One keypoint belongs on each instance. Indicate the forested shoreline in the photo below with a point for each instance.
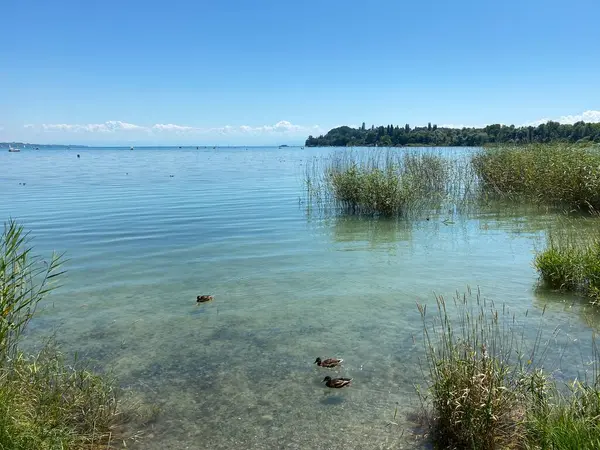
(394, 135)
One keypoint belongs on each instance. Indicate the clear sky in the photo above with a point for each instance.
(266, 72)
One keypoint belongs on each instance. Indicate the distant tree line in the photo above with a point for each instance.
(394, 135)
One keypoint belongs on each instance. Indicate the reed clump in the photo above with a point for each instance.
(487, 387)
(571, 262)
(385, 184)
(476, 395)
(45, 403)
(550, 174)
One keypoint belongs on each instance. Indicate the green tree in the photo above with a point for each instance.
(434, 135)
(385, 141)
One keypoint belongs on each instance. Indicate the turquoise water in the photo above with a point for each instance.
(148, 230)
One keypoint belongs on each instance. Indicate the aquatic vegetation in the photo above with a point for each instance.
(549, 174)
(45, 402)
(488, 390)
(571, 262)
(392, 183)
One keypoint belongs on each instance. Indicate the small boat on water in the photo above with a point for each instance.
(130, 148)
(13, 150)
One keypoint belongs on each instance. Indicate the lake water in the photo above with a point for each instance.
(148, 230)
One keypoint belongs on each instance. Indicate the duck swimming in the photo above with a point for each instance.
(329, 362)
(204, 298)
(337, 382)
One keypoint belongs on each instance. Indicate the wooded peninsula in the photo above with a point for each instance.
(432, 135)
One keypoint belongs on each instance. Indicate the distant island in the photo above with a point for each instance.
(38, 146)
(432, 135)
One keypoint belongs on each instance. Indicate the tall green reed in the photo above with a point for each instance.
(25, 279)
(480, 370)
(388, 183)
(488, 387)
(564, 175)
(46, 402)
(571, 260)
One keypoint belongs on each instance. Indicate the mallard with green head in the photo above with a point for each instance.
(329, 362)
(337, 382)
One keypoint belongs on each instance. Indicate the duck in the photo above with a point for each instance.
(329, 362)
(204, 298)
(337, 382)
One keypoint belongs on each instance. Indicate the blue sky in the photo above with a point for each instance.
(266, 72)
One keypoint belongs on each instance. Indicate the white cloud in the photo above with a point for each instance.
(586, 116)
(58, 127)
(118, 125)
(460, 126)
(590, 116)
(535, 123)
(110, 126)
(284, 126)
(281, 127)
(172, 127)
(226, 129)
(113, 126)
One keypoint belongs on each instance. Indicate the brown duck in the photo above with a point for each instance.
(204, 298)
(329, 362)
(337, 382)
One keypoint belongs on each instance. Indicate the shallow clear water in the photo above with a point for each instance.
(289, 283)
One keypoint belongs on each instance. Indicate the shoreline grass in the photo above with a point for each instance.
(488, 389)
(45, 402)
(563, 175)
